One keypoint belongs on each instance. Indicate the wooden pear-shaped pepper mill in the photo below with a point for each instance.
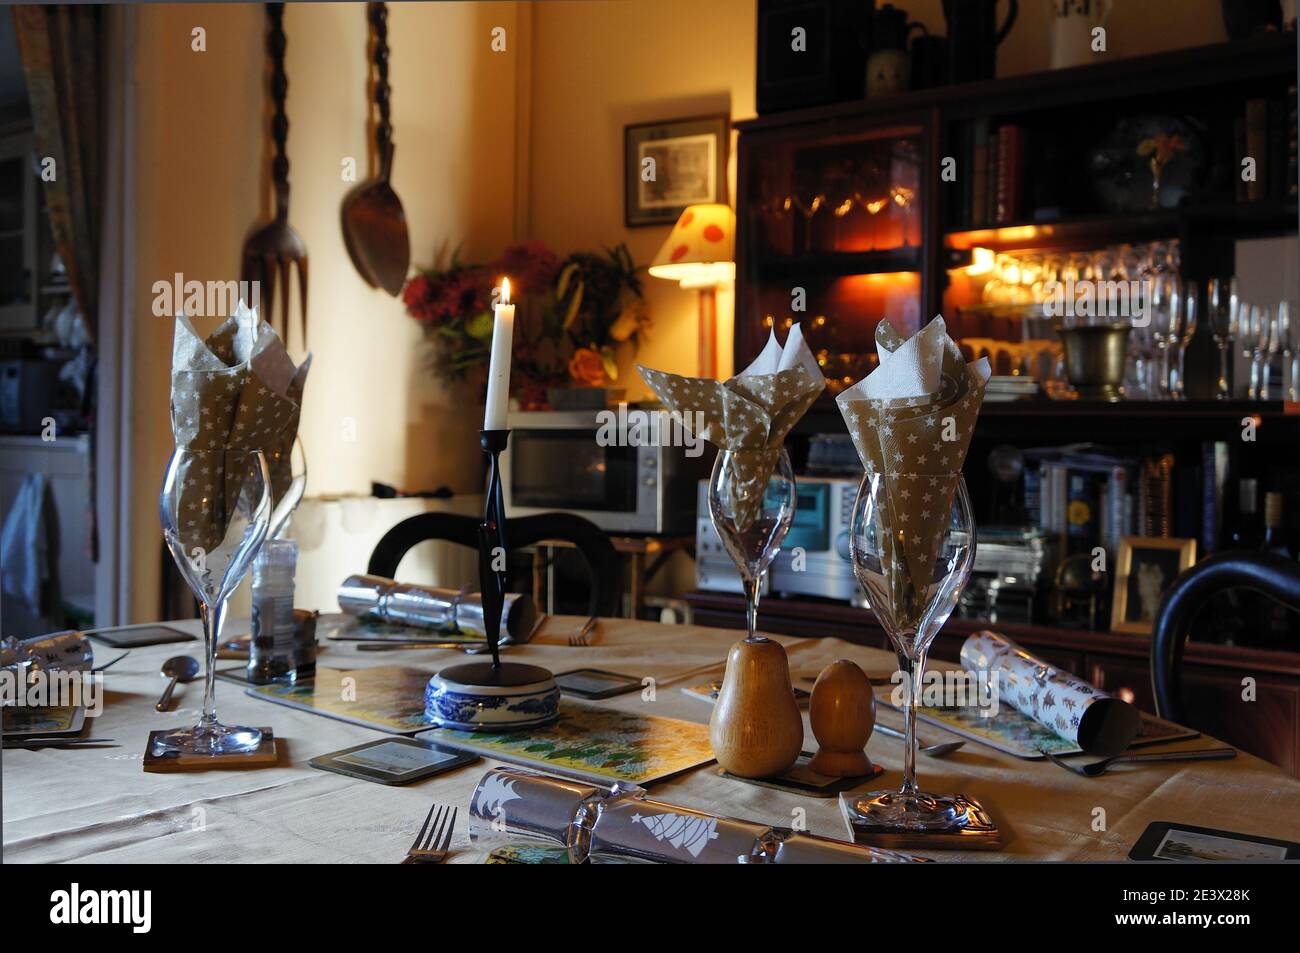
(842, 713)
(756, 729)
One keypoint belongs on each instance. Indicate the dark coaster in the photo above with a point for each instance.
(801, 779)
(267, 755)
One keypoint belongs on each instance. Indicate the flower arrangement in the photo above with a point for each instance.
(1158, 150)
(572, 314)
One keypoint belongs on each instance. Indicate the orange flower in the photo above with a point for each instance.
(1161, 147)
(588, 367)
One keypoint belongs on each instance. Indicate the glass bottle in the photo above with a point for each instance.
(271, 649)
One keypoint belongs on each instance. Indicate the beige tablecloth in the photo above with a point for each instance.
(98, 805)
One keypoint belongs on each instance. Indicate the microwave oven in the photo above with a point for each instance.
(607, 466)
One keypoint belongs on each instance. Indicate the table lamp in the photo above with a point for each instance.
(700, 254)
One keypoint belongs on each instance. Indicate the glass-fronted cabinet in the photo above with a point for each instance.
(832, 230)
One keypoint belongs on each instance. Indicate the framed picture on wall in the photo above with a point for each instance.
(672, 164)
(1145, 569)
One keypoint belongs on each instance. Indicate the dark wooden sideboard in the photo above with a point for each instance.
(1213, 675)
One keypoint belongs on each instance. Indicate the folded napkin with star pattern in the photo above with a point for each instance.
(236, 390)
(911, 420)
(750, 414)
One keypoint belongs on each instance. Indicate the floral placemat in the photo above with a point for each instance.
(595, 744)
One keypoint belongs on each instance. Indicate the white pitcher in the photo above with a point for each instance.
(1070, 23)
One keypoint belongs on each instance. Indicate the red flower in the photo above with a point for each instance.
(417, 297)
(530, 265)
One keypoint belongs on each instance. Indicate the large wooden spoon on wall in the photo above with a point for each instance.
(374, 225)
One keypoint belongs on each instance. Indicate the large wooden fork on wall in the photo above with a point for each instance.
(271, 252)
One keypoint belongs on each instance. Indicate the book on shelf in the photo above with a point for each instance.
(1010, 178)
(1080, 494)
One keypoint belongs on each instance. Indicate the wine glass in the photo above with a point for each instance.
(215, 509)
(292, 495)
(1257, 341)
(1164, 311)
(1224, 304)
(1277, 329)
(837, 189)
(752, 510)
(1186, 331)
(871, 191)
(806, 197)
(912, 589)
(1288, 326)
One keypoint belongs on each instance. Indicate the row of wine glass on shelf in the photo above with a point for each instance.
(844, 204)
(1142, 287)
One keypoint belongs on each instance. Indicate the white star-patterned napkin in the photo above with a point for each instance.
(238, 390)
(911, 420)
(751, 413)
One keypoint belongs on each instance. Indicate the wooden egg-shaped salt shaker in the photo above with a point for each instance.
(756, 729)
(842, 713)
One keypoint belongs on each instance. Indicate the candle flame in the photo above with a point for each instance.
(505, 290)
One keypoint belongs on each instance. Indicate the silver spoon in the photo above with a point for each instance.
(932, 751)
(1095, 768)
(179, 668)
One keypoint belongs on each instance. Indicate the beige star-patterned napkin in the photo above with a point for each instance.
(911, 420)
(750, 414)
(238, 390)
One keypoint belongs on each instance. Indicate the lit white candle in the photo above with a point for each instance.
(503, 334)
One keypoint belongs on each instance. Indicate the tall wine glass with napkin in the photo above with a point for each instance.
(235, 402)
(912, 533)
(756, 728)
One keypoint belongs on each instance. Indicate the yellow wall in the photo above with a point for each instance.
(598, 67)
(201, 162)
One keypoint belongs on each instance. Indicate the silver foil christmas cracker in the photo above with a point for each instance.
(1077, 711)
(515, 807)
(431, 607)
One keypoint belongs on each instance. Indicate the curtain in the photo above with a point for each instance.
(60, 50)
(60, 46)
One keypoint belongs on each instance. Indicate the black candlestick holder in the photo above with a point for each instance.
(492, 548)
(495, 696)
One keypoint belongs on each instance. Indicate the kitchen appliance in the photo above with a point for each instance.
(630, 470)
(715, 570)
(813, 561)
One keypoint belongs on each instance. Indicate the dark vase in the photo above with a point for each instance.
(974, 35)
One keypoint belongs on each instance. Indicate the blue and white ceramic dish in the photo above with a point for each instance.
(462, 697)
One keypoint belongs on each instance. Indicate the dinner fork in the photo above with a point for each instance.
(583, 638)
(1095, 768)
(430, 845)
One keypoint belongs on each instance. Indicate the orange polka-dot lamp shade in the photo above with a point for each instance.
(700, 250)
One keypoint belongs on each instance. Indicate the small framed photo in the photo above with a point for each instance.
(670, 165)
(1145, 569)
